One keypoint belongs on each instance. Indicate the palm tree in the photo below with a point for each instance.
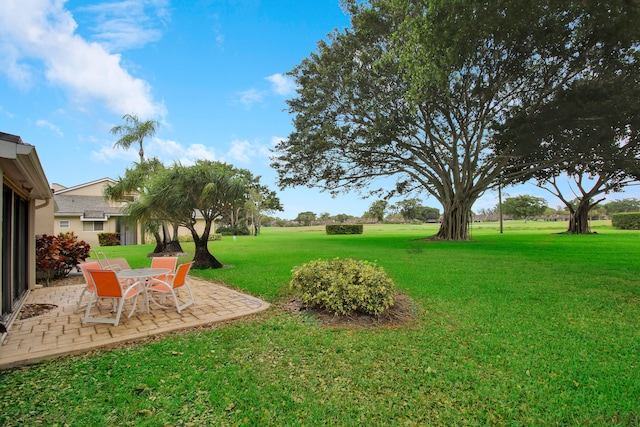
(182, 194)
(134, 131)
(135, 181)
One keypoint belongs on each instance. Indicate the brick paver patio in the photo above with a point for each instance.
(60, 332)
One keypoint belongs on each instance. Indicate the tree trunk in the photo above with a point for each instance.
(203, 258)
(455, 221)
(159, 243)
(579, 218)
(173, 246)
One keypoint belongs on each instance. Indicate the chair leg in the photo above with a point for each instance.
(120, 305)
(186, 304)
(89, 304)
(163, 297)
(175, 298)
(135, 302)
(80, 300)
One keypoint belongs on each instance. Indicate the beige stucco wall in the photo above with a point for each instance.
(44, 217)
(182, 231)
(75, 225)
(90, 189)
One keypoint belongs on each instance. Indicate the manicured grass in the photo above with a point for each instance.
(529, 327)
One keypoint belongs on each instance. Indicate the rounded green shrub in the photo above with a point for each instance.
(343, 286)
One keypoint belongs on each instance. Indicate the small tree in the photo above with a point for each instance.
(181, 194)
(523, 207)
(342, 217)
(134, 182)
(377, 210)
(623, 205)
(306, 218)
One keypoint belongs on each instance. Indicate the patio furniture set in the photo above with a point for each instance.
(117, 281)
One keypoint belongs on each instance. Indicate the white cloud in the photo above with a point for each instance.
(282, 84)
(250, 97)
(9, 114)
(48, 125)
(241, 151)
(166, 150)
(199, 152)
(126, 24)
(38, 37)
(220, 41)
(108, 153)
(169, 151)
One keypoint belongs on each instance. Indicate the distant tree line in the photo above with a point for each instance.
(525, 206)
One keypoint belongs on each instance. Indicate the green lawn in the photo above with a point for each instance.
(528, 327)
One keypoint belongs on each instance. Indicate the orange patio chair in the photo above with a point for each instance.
(173, 286)
(115, 264)
(169, 262)
(85, 267)
(107, 285)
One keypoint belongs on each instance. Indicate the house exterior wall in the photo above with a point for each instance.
(23, 183)
(71, 215)
(73, 204)
(183, 231)
(77, 227)
(44, 218)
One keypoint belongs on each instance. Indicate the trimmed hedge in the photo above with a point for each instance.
(239, 230)
(109, 239)
(344, 286)
(189, 238)
(344, 229)
(626, 220)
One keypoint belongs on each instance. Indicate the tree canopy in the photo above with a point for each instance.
(417, 90)
(306, 218)
(377, 210)
(183, 194)
(623, 205)
(525, 206)
(412, 209)
(129, 187)
(134, 131)
(589, 131)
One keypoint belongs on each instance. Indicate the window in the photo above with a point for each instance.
(92, 226)
(64, 223)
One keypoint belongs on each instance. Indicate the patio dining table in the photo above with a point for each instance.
(142, 275)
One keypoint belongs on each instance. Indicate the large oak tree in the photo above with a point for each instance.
(414, 90)
(590, 131)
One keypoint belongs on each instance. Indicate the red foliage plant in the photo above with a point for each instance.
(57, 255)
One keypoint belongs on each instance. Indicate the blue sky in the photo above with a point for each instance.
(211, 71)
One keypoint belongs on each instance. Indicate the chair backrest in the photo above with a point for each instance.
(106, 283)
(164, 262)
(89, 266)
(102, 259)
(118, 264)
(181, 274)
